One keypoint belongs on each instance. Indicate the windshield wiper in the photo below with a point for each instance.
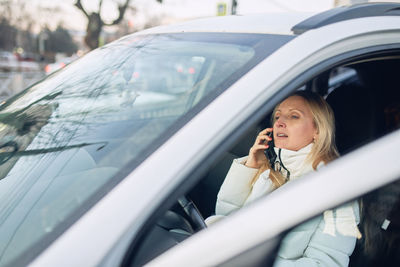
(5, 156)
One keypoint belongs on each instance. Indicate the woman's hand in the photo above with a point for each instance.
(256, 154)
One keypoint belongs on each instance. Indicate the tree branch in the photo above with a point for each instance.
(78, 4)
(122, 9)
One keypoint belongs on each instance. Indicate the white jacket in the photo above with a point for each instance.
(327, 240)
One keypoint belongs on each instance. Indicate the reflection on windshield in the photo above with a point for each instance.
(68, 136)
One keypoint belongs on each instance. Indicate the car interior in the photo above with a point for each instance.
(365, 97)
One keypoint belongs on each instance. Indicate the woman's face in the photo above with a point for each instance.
(294, 127)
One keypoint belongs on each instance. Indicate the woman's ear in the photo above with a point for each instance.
(315, 136)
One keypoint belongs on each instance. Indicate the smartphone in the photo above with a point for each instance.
(270, 152)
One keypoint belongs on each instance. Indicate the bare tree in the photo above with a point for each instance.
(96, 23)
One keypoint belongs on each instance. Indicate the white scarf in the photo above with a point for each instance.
(294, 161)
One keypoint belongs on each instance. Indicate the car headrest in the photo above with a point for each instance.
(356, 118)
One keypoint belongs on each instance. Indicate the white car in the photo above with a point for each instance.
(8, 62)
(115, 159)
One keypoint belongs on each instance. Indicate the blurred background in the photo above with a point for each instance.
(38, 37)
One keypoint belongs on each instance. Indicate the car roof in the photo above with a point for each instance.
(273, 23)
(290, 23)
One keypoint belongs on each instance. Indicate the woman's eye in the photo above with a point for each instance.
(295, 116)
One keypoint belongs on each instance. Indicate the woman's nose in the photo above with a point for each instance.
(280, 123)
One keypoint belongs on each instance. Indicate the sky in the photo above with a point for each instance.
(176, 9)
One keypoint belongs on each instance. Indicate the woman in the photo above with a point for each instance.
(303, 133)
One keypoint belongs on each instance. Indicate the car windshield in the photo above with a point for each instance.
(69, 139)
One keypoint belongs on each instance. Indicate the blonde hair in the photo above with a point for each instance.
(324, 148)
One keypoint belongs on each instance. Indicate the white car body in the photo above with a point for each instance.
(103, 234)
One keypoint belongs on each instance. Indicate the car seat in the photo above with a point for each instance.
(356, 118)
(380, 228)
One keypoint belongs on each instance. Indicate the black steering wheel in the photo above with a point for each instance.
(192, 212)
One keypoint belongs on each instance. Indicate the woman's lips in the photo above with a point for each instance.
(281, 135)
